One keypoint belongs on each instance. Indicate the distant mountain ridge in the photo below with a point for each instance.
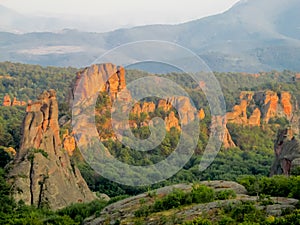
(252, 36)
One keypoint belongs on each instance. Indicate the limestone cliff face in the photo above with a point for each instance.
(41, 173)
(287, 153)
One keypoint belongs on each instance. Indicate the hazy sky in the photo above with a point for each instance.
(125, 12)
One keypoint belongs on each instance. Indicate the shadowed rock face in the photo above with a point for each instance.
(287, 153)
(41, 173)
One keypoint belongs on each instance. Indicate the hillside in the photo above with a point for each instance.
(252, 36)
(248, 161)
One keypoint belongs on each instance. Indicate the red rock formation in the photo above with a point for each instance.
(69, 143)
(172, 121)
(103, 77)
(148, 107)
(136, 110)
(218, 121)
(254, 119)
(270, 105)
(41, 173)
(285, 100)
(6, 100)
(238, 114)
(165, 105)
(186, 111)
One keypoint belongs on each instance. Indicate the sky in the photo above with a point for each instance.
(121, 13)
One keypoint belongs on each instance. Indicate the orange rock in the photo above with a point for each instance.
(254, 119)
(270, 105)
(69, 143)
(136, 109)
(148, 107)
(201, 114)
(219, 121)
(6, 100)
(238, 114)
(165, 105)
(185, 109)
(103, 77)
(172, 121)
(285, 100)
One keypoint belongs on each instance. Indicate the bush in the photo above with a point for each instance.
(226, 194)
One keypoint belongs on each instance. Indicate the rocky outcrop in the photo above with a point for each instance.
(285, 100)
(185, 108)
(164, 105)
(219, 121)
(69, 143)
(172, 121)
(123, 211)
(8, 102)
(269, 108)
(254, 119)
(148, 107)
(287, 153)
(41, 173)
(267, 105)
(100, 78)
(238, 114)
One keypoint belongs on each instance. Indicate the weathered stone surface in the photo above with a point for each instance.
(287, 153)
(269, 109)
(148, 107)
(123, 211)
(254, 119)
(136, 110)
(186, 111)
(103, 77)
(228, 142)
(219, 121)
(164, 104)
(238, 114)
(285, 100)
(41, 173)
(69, 143)
(172, 121)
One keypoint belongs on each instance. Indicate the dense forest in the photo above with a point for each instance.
(247, 163)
